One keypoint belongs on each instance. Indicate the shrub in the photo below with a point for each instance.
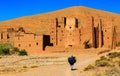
(24, 66)
(4, 51)
(89, 67)
(104, 58)
(5, 48)
(112, 72)
(14, 50)
(118, 44)
(1, 52)
(114, 54)
(22, 53)
(34, 66)
(86, 44)
(102, 63)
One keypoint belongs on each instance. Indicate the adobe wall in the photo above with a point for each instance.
(117, 35)
(29, 42)
(70, 32)
(66, 32)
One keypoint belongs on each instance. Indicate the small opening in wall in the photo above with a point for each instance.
(59, 26)
(29, 45)
(107, 37)
(19, 45)
(52, 32)
(8, 36)
(52, 38)
(105, 30)
(37, 43)
(70, 45)
(70, 27)
(1, 35)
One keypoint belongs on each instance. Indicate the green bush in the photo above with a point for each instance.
(4, 51)
(89, 67)
(14, 50)
(5, 48)
(118, 44)
(22, 53)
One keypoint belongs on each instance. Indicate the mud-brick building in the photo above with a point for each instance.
(32, 43)
(94, 33)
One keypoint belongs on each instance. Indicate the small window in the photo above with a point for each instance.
(19, 45)
(1, 35)
(59, 26)
(107, 37)
(70, 45)
(52, 32)
(105, 30)
(70, 27)
(37, 43)
(60, 40)
(8, 36)
(29, 45)
(52, 38)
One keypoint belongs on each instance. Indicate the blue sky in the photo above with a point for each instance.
(10, 9)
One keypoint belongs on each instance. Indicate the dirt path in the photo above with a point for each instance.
(59, 70)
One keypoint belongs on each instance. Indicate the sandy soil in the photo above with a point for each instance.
(59, 68)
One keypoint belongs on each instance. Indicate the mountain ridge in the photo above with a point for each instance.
(34, 23)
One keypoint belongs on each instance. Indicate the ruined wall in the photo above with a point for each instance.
(70, 32)
(107, 33)
(30, 42)
(96, 32)
(53, 32)
(117, 35)
(67, 32)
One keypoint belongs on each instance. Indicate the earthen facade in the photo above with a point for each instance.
(65, 32)
(94, 33)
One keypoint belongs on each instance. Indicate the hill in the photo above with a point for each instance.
(39, 23)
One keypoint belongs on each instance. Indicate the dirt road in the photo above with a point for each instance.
(58, 70)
